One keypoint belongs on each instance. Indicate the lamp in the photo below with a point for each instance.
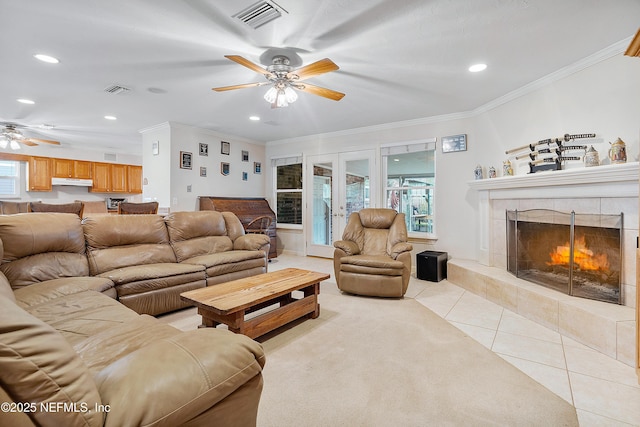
(280, 95)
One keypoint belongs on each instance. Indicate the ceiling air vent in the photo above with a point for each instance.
(260, 13)
(116, 89)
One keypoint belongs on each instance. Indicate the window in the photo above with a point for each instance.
(410, 183)
(288, 177)
(9, 178)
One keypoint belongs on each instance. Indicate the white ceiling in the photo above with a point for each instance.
(399, 60)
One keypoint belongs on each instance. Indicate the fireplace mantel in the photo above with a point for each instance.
(620, 180)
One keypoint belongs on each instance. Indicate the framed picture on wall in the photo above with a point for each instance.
(224, 168)
(155, 148)
(186, 160)
(204, 149)
(454, 143)
(203, 171)
(245, 176)
(225, 148)
(245, 156)
(257, 167)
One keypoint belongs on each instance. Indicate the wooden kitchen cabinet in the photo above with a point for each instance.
(109, 178)
(39, 174)
(134, 179)
(101, 175)
(67, 168)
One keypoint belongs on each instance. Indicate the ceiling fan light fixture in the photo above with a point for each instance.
(14, 145)
(271, 95)
(3, 143)
(290, 95)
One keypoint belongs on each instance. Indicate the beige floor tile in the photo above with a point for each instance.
(476, 311)
(516, 324)
(440, 297)
(609, 399)
(595, 364)
(555, 379)
(531, 349)
(589, 419)
(482, 335)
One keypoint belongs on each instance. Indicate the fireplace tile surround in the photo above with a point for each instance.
(609, 189)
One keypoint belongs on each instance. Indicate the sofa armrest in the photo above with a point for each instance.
(252, 242)
(399, 248)
(175, 379)
(349, 247)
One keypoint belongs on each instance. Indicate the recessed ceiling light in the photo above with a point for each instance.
(25, 101)
(46, 58)
(254, 118)
(477, 67)
(396, 160)
(111, 117)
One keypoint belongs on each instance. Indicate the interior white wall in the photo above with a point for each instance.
(179, 188)
(601, 99)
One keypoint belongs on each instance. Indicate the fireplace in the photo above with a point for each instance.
(578, 254)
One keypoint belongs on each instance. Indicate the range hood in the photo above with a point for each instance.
(72, 181)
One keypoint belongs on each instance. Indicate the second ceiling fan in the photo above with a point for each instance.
(284, 79)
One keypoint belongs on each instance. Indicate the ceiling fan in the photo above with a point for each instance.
(283, 79)
(12, 137)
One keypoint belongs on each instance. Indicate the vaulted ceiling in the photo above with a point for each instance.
(399, 60)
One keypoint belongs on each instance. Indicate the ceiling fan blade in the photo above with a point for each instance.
(319, 67)
(27, 142)
(35, 140)
(250, 65)
(320, 91)
(242, 86)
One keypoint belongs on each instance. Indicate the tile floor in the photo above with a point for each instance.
(604, 391)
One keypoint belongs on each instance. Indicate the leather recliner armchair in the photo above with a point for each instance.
(373, 258)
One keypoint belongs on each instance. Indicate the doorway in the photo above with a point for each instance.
(341, 183)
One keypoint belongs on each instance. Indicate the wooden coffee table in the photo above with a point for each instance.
(229, 303)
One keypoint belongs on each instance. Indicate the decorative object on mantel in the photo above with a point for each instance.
(492, 172)
(618, 152)
(555, 152)
(507, 169)
(591, 157)
(478, 172)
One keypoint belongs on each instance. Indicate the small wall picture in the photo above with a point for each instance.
(225, 148)
(203, 171)
(454, 143)
(257, 167)
(245, 176)
(186, 160)
(155, 148)
(224, 168)
(245, 156)
(204, 149)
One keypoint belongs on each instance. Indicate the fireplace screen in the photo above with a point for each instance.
(578, 254)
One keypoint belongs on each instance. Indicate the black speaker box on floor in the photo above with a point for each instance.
(431, 266)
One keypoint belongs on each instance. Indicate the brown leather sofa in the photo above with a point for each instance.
(71, 355)
(76, 356)
(149, 260)
(373, 258)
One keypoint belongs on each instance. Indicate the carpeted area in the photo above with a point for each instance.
(392, 362)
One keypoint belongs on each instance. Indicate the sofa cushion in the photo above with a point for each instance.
(42, 246)
(5, 288)
(40, 293)
(38, 366)
(164, 274)
(197, 233)
(372, 264)
(117, 241)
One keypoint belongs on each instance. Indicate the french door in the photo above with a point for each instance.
(338, 184)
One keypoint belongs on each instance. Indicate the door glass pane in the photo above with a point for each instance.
(322, 213)
(356, 185)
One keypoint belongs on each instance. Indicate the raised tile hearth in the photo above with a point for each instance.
(607, 328)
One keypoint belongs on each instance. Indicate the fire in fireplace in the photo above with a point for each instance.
(578, 254)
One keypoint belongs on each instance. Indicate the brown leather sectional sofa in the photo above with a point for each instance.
(73, 353)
